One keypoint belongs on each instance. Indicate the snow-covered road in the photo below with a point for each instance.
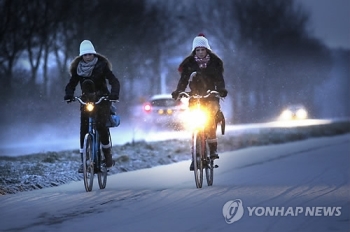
(287, 187)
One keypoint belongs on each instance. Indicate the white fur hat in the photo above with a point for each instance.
(86, 47)
(200, 41)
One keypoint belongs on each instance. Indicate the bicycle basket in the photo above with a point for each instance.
(220, 118)
(113, 121)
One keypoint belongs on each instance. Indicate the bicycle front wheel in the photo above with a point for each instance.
(197, 153)
(88, 163)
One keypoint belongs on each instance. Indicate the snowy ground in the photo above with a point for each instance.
(299, 186)
(37, 171)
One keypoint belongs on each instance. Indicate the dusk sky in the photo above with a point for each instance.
(330, 21)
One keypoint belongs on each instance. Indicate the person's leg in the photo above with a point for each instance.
(84, 127)
(103, 112)
(191, 105)
(212, 107)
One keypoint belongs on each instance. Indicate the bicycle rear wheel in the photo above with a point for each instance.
(102, 176)
(209, 166)
(88, 163)
(197, 150)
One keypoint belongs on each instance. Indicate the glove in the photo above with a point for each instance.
(175, 94)
(222, 92)
(113, 97)
(68, 97)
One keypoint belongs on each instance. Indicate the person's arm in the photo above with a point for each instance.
(72, 84)
(114, 82)
(184, 78)
(219, 79)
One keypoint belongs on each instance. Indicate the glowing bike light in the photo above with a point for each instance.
(196, 118)
(89, 107)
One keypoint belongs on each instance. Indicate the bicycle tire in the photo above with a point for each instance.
(197, 149)
(209, 166)
(88, 163)
(102, 176)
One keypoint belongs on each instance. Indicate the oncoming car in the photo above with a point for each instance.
(163, 111)
(294, 112)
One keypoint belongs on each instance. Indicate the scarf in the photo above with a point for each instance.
(85, 69)
(202, 62)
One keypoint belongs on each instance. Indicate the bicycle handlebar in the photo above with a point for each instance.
(209, 93)
(96, 103)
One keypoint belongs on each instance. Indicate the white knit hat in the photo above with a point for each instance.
(200, 41)
(86, 47)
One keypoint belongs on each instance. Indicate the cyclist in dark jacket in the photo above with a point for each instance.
(203, 70)
(91, 70)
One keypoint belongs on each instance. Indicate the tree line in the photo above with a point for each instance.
(270, 59)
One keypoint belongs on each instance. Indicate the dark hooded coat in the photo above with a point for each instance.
(209, 78)
(101, 73)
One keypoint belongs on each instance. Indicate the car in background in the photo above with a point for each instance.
(294, 112)
(162, 110)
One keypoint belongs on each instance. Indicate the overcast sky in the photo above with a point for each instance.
(330, 21)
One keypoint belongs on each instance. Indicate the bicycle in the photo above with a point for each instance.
(92, 154)
(199, 145)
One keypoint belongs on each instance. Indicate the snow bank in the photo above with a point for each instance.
(41, 170)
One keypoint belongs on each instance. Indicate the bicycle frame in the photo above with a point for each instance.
(200, 148)
(92, 155)
(96, 143)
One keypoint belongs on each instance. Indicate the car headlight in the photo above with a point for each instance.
(301, 114)
(286, 115)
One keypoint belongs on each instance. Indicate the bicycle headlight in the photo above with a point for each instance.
(89, 106)
(196, 118)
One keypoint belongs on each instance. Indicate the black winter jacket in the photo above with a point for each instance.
(211, 77)
(101, 72)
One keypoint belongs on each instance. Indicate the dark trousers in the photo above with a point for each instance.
(101, 114)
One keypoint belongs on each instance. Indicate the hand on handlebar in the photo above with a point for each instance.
(175, 94)
(113, 97)
(222, 92)
(69, 98)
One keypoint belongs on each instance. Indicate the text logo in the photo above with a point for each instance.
(233, 211)
(294, 211)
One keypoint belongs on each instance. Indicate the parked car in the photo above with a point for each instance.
(294, 112)
(162, 110)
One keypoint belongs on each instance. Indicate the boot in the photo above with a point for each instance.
(192, 166)
(213, 150)
(108, 157)
(80, 170)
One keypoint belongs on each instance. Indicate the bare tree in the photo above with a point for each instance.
(271, 47)
(11, 41)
